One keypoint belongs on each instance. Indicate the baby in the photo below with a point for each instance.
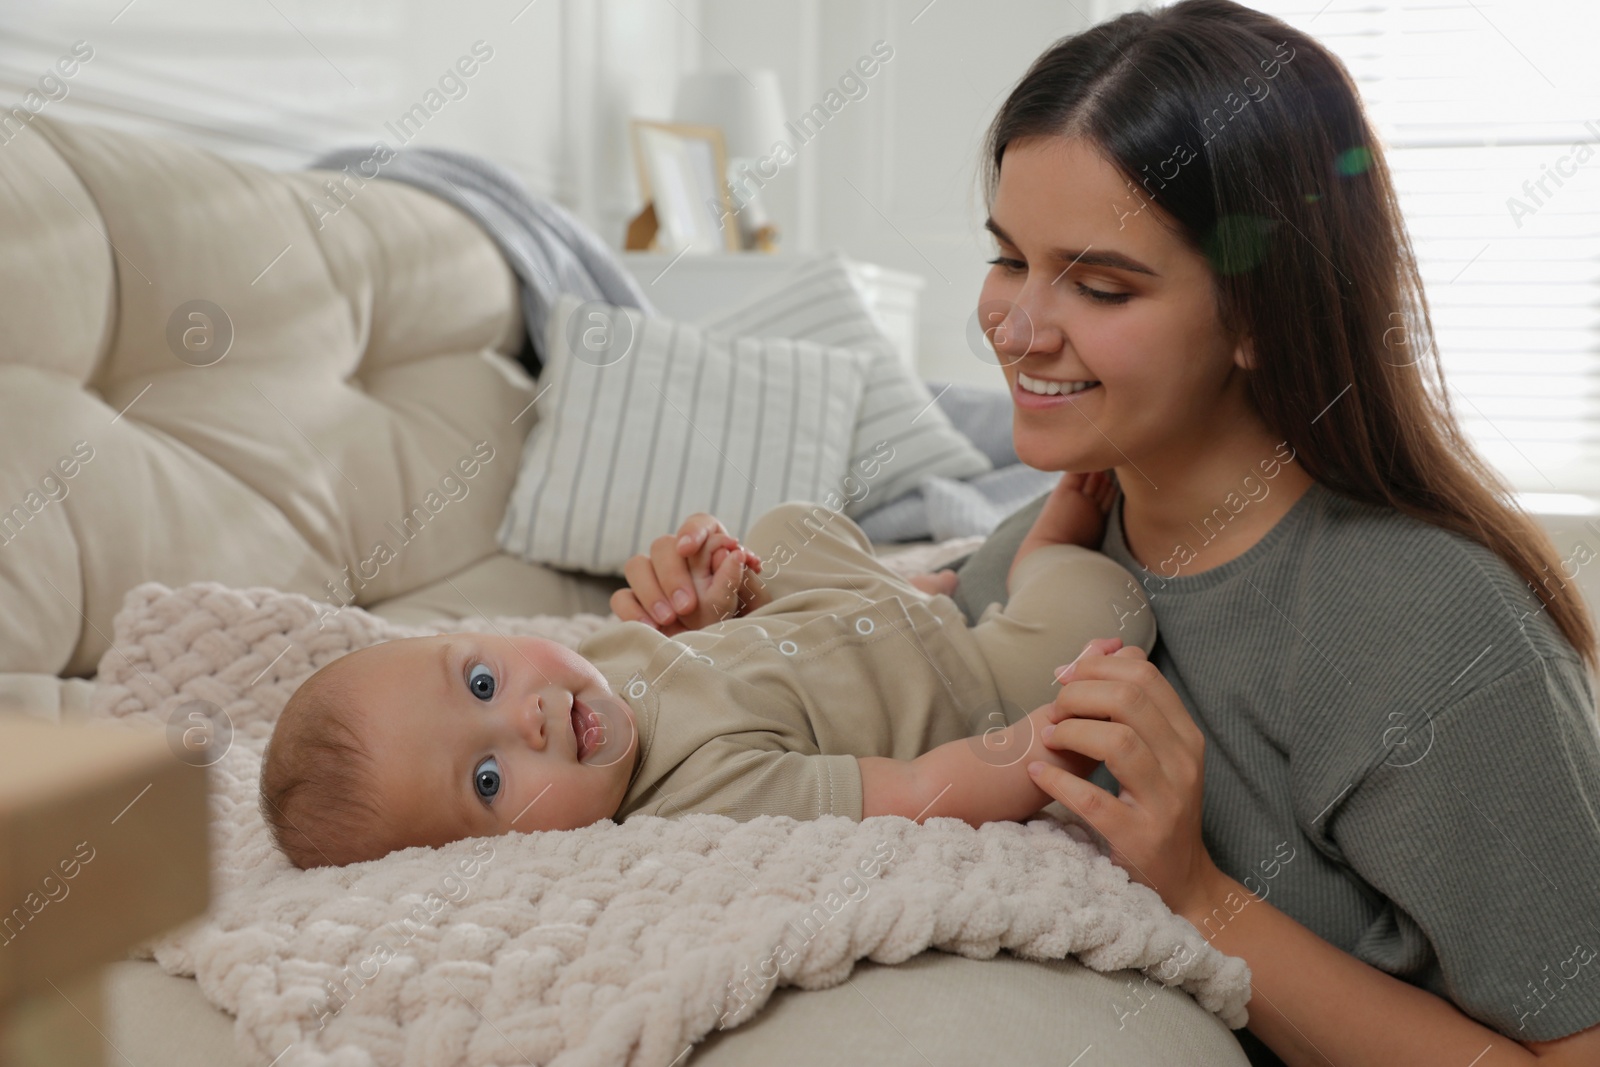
(808, 679)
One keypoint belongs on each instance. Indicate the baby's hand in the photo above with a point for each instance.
(702, 568)
(939, 582)
(1074, 514)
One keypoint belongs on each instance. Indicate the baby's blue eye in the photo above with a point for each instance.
(486, 779)
(481, 681)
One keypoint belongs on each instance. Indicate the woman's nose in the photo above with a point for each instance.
(1013, 330)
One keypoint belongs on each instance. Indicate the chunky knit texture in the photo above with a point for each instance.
(614, 944)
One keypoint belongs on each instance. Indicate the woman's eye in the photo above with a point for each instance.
(481, 681)
(1011, 266)
(486, 779)
(1101, 296)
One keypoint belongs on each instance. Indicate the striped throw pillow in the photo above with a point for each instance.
(642, 422)
(819, 301)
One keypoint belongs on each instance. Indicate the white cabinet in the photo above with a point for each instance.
(699, 285)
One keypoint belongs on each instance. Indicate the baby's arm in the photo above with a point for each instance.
(1075, 514)
(977, 779)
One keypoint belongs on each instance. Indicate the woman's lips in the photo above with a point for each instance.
(1024, 399)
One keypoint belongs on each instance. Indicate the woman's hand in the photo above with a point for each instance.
(690, 579)
(1114, 706)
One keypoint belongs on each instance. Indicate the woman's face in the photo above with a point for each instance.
(1091, 292)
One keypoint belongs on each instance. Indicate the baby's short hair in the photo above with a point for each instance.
(317, 780)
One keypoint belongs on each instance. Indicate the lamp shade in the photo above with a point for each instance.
(750, 112)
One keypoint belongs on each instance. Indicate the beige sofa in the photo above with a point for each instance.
(199, 383)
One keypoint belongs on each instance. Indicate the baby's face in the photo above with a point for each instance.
(473, 735)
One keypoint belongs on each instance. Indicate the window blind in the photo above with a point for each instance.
(1489, 112)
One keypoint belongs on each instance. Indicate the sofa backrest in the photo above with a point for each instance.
(204, 376)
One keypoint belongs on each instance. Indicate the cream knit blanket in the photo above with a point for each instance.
(614, 944)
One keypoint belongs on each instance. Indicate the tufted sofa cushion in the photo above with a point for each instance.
(356, 441)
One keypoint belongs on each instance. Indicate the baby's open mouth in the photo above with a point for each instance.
(585, 728)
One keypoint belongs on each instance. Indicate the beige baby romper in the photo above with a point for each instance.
(766, 714)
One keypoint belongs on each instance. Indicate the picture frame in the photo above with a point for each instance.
(682, 172)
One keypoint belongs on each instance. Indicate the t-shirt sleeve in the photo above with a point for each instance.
(1489, 845)
(742, 777)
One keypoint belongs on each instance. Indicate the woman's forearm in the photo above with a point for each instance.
(978, 779)
(1306, 994)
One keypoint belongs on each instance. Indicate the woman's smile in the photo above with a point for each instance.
(1032, 392)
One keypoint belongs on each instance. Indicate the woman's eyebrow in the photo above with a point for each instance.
(1065, 257)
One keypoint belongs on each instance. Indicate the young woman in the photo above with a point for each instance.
(1364, 755)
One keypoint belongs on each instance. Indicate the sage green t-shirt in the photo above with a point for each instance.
(1401, 751)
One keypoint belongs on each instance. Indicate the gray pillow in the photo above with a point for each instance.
(942, 508)
(982, 414)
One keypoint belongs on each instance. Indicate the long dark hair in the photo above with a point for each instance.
(1250, 138)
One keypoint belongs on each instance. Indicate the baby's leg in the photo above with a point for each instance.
(803, 545)
(1063, 597)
